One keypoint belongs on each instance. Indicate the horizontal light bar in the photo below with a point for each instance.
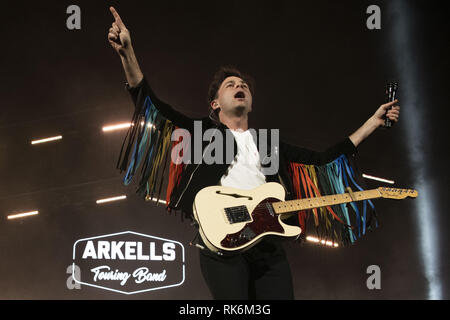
(324, 242)
(120, 126)
(46, 140)
(21, 215)
(116, 126)
(377, 179)
(154, 200)
(312, 239)
(111, 199)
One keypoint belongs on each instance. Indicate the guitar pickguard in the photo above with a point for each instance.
(264, 220)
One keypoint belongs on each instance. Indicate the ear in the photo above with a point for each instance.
(214, 104)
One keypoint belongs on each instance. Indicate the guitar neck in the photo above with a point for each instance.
(324, 201)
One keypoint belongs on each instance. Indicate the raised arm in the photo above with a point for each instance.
(137, 85)
(298, 154)
(120, 39)
(347, 145)
(389, 110)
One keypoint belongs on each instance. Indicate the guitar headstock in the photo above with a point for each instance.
(395, 193)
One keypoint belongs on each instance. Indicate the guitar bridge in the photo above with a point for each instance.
(237, 214)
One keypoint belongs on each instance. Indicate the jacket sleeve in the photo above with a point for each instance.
(294, 153)
(142, 90)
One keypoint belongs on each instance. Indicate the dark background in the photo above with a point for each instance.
(320, 73)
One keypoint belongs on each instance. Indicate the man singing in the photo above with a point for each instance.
(262, 272)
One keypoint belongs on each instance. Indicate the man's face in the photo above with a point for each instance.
(233, 97)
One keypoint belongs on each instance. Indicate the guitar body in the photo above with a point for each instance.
(232, 220)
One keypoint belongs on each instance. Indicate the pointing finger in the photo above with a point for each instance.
(119, 22)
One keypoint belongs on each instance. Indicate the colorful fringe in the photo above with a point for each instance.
(333, 223)
(149, 142)
(148, 145)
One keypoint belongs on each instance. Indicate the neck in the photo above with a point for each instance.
(234, 122)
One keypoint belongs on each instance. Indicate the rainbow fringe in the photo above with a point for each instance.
(149, 138)
(148, 144)
(339, 223)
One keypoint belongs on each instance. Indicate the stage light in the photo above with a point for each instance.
(155, 200)
(414, 123)
(111, 199)
(377, 179)
(21, 215)
(46, 140)
(324, 242)
(121, 126)
(312, 239)
(118, 126)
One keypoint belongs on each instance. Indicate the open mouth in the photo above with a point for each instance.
(240, 95)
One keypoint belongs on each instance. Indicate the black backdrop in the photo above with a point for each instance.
(320, 73)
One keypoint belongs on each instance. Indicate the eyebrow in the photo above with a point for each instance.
(242, 81)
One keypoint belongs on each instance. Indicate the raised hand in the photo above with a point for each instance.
(393, 113)
(119, 36)
(375, 121)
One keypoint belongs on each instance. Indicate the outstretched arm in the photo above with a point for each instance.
(376, 121)
(298, 154)
(346, 146)
(120, 39)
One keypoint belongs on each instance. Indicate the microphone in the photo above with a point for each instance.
(391, 94)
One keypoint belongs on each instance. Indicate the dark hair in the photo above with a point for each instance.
(220, 75)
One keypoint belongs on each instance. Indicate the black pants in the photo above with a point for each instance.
(261, 272)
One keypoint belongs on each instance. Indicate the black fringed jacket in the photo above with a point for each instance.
(197, 176)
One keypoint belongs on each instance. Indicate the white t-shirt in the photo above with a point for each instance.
(245, 170)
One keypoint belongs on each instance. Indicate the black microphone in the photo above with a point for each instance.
(391, 94)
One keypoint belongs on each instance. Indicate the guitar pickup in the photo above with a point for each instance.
(237, 214)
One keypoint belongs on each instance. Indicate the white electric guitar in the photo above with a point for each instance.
(232, 220)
